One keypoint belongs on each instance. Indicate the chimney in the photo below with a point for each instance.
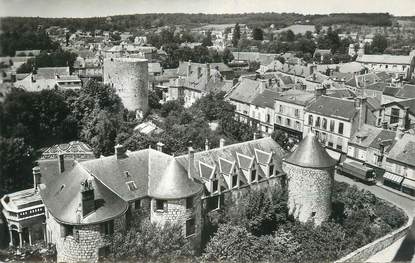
(119, 151)
(206, 145)
(61, 162)
(221, 143)
(319, 91)
(160, 146)
(362, 106)
(88, 198)
(189, 68)
(255, 135)
(191, 153)
(405, 119)
(311, 69)
(199, 72)
(37, 176)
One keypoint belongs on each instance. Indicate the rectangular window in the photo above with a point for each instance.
(310, 120)
(161, 205)
(190, 227)
(281, 109)
(297, 125)
(332, 125)
(297, 113)
(234, 180)
(288, 122)
(325, 123)
(394, 116)
(268, 118)
(271, 170)
(215, 185)
(341, 126)
(67, 230)
(279, 119)
(108, 227)
(339, 145)
(189, 202)
(137, 204)
(318, 122)
(253, 175)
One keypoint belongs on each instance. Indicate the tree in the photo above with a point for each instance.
(207, 41)
(317, 28)
(149, 241)
(236, 35)
(235, 244)
(16, 158)
(379, 44)
(257, 34)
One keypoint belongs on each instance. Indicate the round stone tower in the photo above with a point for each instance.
(310, 175)
(177, 198)
(129, 77)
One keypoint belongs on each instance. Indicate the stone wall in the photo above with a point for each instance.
(177, 213)
(129, 77)
(83, 244)
(309, 192)
(365, 252)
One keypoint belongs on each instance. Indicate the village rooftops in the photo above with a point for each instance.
(266, 99)
(311, 154)
(370, 136)
(298, 97)
(385, 59)
(333, 107)
(406, 92)
(403, 151)
(51, 72)
(245, 91)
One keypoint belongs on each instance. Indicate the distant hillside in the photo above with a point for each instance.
(131, 22)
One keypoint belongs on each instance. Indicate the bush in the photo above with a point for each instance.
(149, 241)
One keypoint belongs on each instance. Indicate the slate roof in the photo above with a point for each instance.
(266, 99)
(384, 59)
(365, 135)
(385, 136)
(245, 91)
(406, 92)
(174, 183)
(229, 152)
(404, 150)
(298, 97)
(333, 107)
(51, 72)
(340, 93)
(390, 91)
(310, 154)
(62, 197)
(378, 86)
(410, 103)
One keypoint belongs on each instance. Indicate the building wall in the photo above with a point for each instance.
(129, 77)
(177, 213)
(316, 199)
(401, 69)
(326, 135)
(284, 111)
(85, 242)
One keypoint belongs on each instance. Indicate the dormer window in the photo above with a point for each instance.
(215, 185)
(271, 170)
(131, 186)
(253, 175)
(234, 180)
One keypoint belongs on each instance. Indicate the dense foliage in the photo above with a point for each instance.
(257, 227)
(131, 22)
(147, 241)
(57, 58)
(10, 41)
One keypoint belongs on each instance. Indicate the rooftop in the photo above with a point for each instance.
(310, 154)
(333, 107)
(385, 59)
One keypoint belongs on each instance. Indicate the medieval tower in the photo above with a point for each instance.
(129, 77)
(310, 175)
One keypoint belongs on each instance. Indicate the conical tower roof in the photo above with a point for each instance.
(310, 153)
(175, 183)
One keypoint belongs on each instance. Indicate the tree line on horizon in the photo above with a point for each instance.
(131, 22)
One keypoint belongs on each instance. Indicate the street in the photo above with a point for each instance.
(402, 249)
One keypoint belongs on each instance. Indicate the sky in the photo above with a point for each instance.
(89, 8)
